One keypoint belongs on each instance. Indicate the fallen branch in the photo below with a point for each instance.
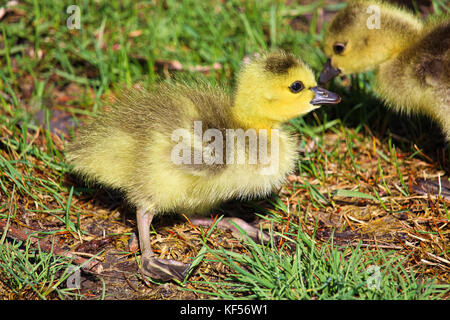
(88, 265)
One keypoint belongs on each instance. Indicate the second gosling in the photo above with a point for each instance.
(147, 145)
(411, 58)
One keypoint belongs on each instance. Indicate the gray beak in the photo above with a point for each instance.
(328, 72)
(322, 96)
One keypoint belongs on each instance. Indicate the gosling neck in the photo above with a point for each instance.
(400, 42)
(399, 32)
(247, 115)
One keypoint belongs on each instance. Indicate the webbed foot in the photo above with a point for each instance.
(229, 223)
(164, 269)
(433, 187)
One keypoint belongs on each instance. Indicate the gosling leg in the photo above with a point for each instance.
(162, 269)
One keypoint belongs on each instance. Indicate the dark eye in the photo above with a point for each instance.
(339, 47)
(296, 86)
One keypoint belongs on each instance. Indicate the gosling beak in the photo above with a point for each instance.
(328, 72)
(322, 96)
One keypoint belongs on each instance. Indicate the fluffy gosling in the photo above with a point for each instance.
(411, 58)
(158, 147)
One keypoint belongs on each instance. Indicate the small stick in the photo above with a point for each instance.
(348, 221)
(88, 265)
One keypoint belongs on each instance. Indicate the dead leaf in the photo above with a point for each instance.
(135, 33)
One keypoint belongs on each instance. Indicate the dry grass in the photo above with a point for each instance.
(414, 225)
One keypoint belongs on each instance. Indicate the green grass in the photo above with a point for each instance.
(317, 271)
(124, 42)
(32, 273)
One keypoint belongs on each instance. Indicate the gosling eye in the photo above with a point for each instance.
(338, 47)
(296, 86)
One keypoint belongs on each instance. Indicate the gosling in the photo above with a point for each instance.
(164, 147)
(411, 58)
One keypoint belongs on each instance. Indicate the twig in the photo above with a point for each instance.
(383, 246)
(87, 265)
(89, 255)
(438, 258)
(348, 222)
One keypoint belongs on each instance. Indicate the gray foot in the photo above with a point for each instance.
(433, 187)
(164, 269)
(227, 223)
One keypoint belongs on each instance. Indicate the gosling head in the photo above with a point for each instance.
(364, 35)
(275, 88)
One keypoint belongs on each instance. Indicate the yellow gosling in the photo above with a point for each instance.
(411, 58)
(176, 148)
